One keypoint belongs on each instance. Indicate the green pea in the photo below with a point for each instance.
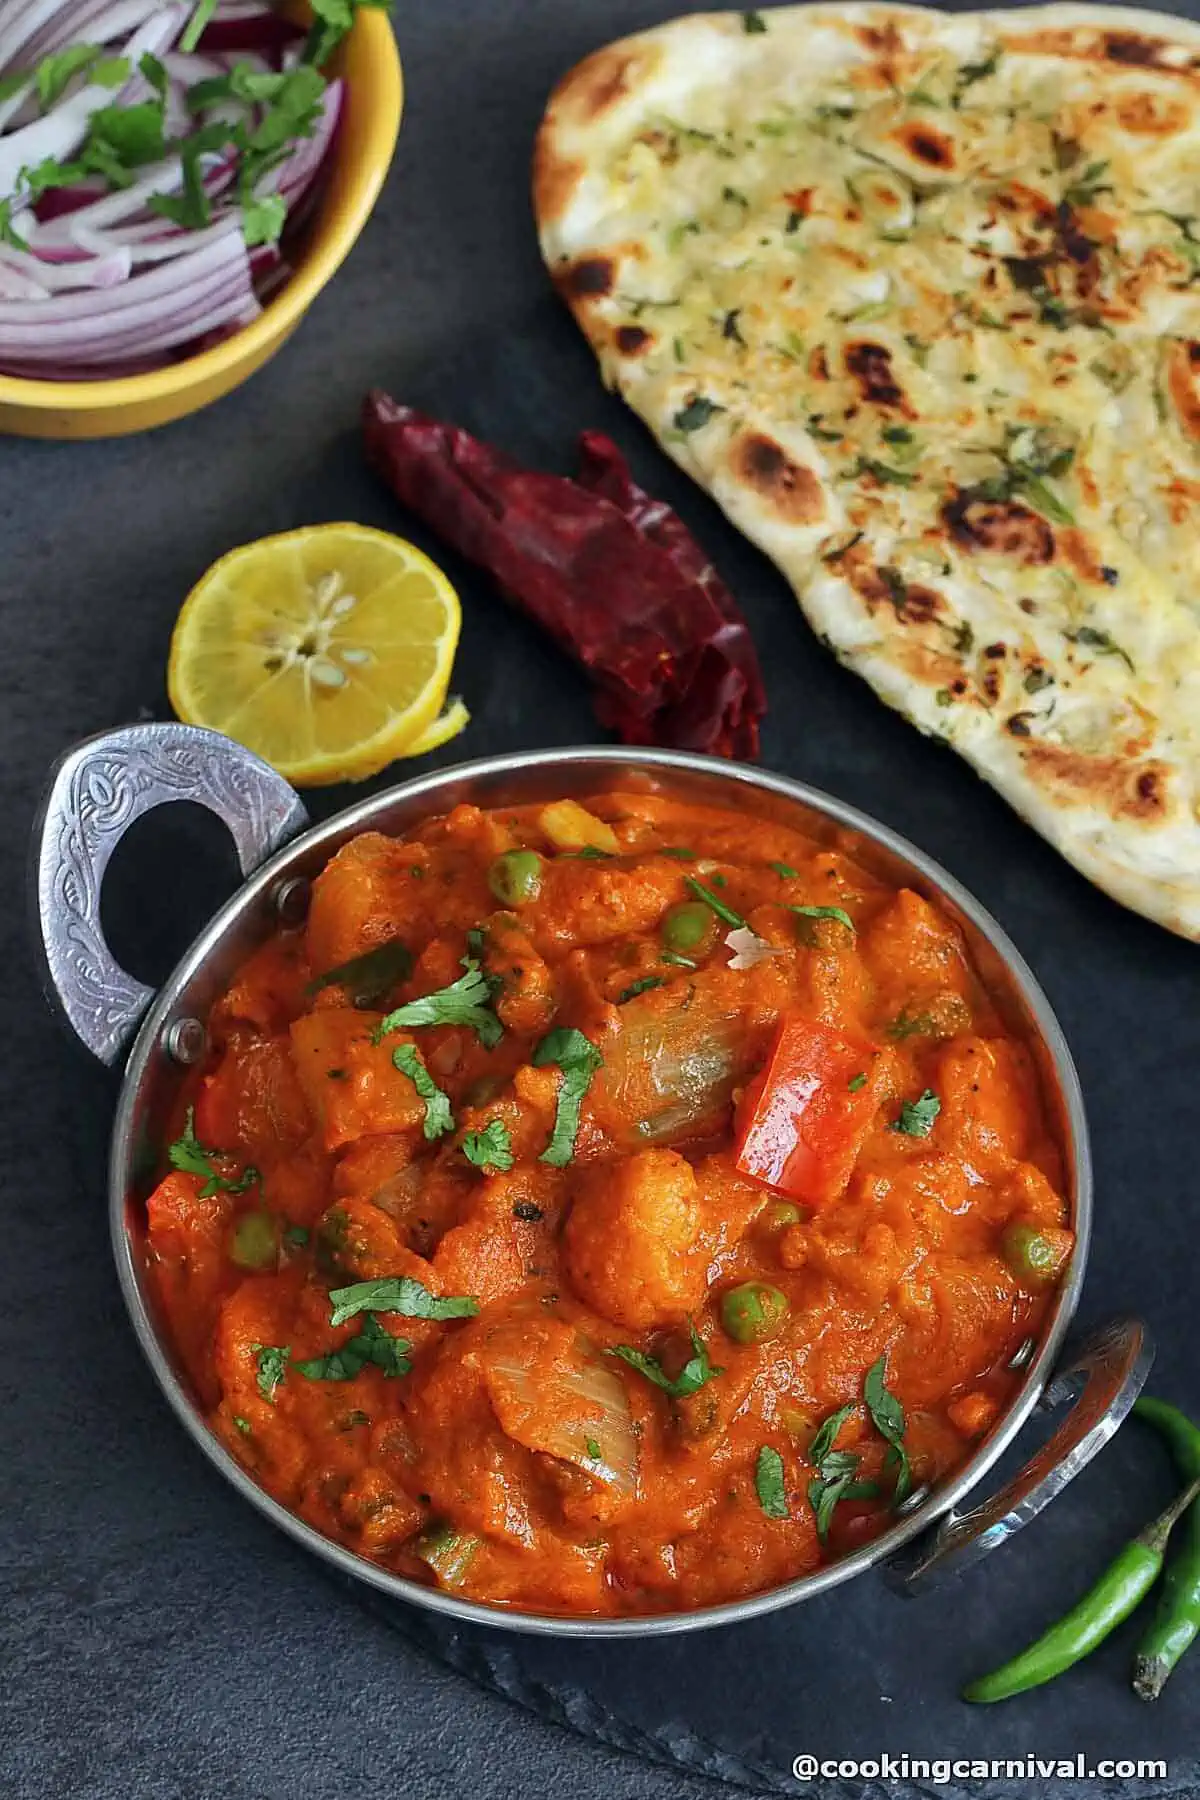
(689, 926)
(753, 1312)
(1031, 1257)
(255, 1241)
(516, 877)
(778, 1214)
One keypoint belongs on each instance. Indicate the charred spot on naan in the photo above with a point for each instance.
(632, 340)
(787, 488)
(1128, 49)
(1003, 527)
(1138, 792)
(871, 367)
(880, 585)
(1150, 114)
(928, 147)
(1183, 384)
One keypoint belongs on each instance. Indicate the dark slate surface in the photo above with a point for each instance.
(156, 1639)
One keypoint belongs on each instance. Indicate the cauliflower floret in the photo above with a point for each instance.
(633, 1246)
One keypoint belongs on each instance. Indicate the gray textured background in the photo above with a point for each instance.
(157, 1641)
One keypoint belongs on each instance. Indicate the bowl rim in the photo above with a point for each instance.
(361, 816)
(329, 248)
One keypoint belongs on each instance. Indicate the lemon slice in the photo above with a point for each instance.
(327, 651)
(447, 725)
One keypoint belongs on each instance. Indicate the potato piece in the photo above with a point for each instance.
(633, 1244)
(570, 826)
(352, 1084)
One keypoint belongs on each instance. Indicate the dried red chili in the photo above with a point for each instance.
(611, 573)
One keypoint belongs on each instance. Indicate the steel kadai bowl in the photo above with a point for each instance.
(101, 786)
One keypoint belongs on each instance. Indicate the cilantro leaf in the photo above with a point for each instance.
(263, 219)
(190, 1156)
(858, 1082)
(753, 22)
(826, 1432)
(784, 870)
(917, 1116)
(769, 1483)
(490, 1148)
(439, 1119)
(578, 1058)
(55, 73)
(467, 1001)
(696, 1372)
(824, 912)
(272, 1365)
(710, 899)
(370, 975)
(696, 413)
(8, 231)
(639, 987)
(398, 1294)
(593, 1449)
(824, 1494)
(132, 134)
(373, 1344)
(906, 1025)
(887, 1415)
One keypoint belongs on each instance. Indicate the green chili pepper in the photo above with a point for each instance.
(753, 1312)
(1126, 1581)
(516, 877)
(689, 926)
(1177, 1619)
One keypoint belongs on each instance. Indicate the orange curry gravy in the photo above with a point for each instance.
(518, 1459)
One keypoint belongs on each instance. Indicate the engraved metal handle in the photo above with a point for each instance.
(94, 794)
(1102, 1374)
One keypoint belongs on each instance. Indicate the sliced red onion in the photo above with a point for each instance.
(89, 22)
(60, 133)
(227, 255)
(20, 23)
(59, 277)
(176, 316)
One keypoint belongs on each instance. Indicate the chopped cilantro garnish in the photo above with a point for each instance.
(887, 1415)
(769, 1483)
(825, 912)
(906, 1025)
(784, 870)
(490, 1148)
(398, 1294)
(593, 1449)
(869, 465)
(190, 1156)
(373, 1344)
(197, 25)
(271, 1364)
(695, 1372)
(369, 976)
(639, 987)
(917, 1116)
(710, 900)
(753, 22)
(578, 1059)
(678, 852)
(439, 1119)
(857, 1082)
(467, 1001)
(696, 413)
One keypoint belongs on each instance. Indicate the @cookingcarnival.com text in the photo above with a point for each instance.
(941, 1770)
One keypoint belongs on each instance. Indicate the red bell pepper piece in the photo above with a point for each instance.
(805, 1117)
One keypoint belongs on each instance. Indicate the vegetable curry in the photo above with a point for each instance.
(607, 1210)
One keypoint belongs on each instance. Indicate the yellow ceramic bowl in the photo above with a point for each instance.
(370, 65)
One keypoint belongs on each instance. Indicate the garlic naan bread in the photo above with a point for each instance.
(916, 297)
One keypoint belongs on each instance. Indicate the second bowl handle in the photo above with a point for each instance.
(95, 793)
(1102, 1375)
